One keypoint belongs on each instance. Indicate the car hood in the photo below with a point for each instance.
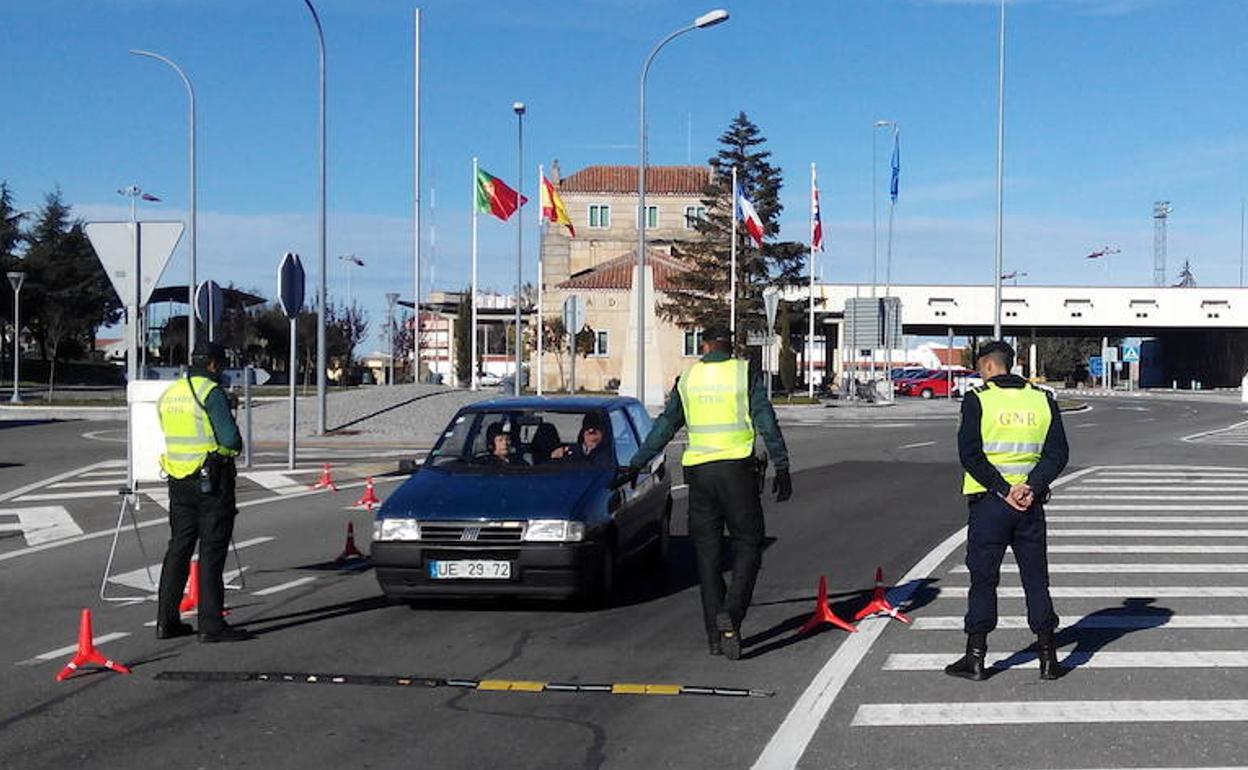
(439, 494)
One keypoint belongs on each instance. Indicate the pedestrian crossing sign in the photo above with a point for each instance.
(1130, 354)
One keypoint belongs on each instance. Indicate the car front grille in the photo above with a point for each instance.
(471, 531)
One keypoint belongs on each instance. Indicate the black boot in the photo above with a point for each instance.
(971, 665)
(729, 636)
(1046, 651)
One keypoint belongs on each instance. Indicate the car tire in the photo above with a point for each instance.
(927, 393)
(662, 546)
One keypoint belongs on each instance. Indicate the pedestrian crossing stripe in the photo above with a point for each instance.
(1097, 659)
(1048, 712)
(1158, 619)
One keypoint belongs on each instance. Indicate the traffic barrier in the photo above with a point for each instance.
(823, 612)
(190, 596)
(879, 604)
(370, 496)
(87, 653)
(349, 551)
(326, 481)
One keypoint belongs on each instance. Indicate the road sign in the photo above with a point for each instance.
(114, 246)
(574, 313)
(771, 301)
(1131, 354)
(1096, 367)
(209, 303)
(290, 283)
(16, 279)
(1111, 354)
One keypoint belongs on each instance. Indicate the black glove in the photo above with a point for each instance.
(626, 476)
(782, 485)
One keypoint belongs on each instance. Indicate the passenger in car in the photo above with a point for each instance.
(589, 446)
(498, 445)
(544, 443)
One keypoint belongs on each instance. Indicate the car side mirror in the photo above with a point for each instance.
(408, 466)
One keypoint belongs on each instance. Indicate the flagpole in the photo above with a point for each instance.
(732, 280)
(415, 199)
(810, 336)
(475, 184)
(541, 187)
(888, 260)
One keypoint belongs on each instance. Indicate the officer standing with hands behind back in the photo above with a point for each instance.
(1012, 447)
(722, 409)
(201, 441)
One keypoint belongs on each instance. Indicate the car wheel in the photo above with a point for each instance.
(927, 393)
(662, 545)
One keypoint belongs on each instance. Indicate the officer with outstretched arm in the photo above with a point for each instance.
(723, 409)
(1012, 447)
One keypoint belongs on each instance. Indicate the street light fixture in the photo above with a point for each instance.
(16, 279)
(190, 287)
(708, 19)
(518, 108)
(352, 262)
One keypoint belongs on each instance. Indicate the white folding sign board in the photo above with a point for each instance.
(147, 440)
(114, 245)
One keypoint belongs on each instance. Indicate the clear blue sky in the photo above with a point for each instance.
(1111, 104)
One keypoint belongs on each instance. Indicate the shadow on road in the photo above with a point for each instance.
(1096, 631)
(315, 615)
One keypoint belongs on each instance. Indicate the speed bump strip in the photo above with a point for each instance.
(482, 685)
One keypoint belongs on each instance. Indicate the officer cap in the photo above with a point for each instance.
(997, 347)
(592, 420)
(206, 352)
(717, 333)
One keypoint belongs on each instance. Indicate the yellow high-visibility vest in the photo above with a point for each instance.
(716, 400)
(188, 431)
(1014, 424)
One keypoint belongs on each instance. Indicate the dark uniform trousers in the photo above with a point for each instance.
(722, 493)
(992, 526)
(208, 519)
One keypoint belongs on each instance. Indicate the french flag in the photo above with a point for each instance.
(747, 214)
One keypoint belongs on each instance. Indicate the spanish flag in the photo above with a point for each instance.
(553, 209)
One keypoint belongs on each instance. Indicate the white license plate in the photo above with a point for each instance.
(469, 569)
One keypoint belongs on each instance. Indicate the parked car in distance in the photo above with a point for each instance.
(936, 384)
(509, 502)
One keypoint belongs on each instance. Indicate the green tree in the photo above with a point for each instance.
(11, 239)
(463, 337)
(700, 296)
(788, 359)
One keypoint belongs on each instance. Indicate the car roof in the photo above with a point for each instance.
(560, 403)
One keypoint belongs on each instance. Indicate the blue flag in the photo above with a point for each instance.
(892, 188)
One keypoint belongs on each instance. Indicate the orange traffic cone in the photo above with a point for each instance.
(879, 604)
(370, 496)
(87, 652)
(190, 598)
(326, 480)
(823, 612)
(349, 552)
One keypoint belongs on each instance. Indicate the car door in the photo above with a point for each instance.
(631, 516)
(657, 483)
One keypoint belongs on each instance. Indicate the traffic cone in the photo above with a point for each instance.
(370, 496)
(327, 479)
(349, 552)
(87, 652)
(190, 598)
(879, 604)
(823, 612)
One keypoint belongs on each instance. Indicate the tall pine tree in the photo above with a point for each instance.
(700, 297)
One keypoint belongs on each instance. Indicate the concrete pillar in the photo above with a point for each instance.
(658, 380)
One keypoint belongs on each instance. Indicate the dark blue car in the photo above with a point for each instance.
(525, 496)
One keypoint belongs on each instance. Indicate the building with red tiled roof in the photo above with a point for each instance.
(617, 274)
(660, 180)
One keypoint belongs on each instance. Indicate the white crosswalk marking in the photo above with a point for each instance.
(1167, 659)
(70, 649)
(43, 524)
(1050, 712)
(1156, 620)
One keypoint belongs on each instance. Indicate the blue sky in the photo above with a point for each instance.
(1111, 104)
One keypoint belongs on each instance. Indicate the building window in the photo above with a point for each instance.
(693, 342)
(600, 216)
(693, 215)
(652, 216)
(600, 344)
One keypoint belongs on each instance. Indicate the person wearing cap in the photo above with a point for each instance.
(201, 441)
(723, 409)
(1012, 447)
(589, 446)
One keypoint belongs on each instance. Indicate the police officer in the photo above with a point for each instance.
(201, 441)
(1012, 446)
(723, 409)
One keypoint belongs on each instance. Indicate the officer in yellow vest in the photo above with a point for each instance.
(201, 441)
(723, 409)
(1012, 447)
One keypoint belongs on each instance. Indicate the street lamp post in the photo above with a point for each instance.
(996, 308)
(391, 298)
(190, 287)
(352, 262)
(518, 108)
(320, 288)
(709, 19)
(16, 279)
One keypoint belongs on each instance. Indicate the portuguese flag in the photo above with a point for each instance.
(495, 197)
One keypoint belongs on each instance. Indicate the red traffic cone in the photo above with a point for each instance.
(823, 612)
(87, 652)
(190, 598)
(879, 604)
(370, 496)
(349, 552)
(326, 481)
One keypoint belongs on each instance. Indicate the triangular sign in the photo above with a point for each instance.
(1130, 354)
(114, 246)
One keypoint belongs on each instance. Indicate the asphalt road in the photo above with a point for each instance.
(870, 490)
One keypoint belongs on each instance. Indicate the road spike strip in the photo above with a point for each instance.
(823, 612)
(370, 496)
(879, 604)
(87, 653)
(349, 552)
(326, 481)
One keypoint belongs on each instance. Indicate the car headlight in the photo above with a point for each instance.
(396, 529)
(554, 531)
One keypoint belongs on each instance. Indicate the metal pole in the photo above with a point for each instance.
(416, 199)
(518, 107)
(996, 309)
(949, 364)
(473, 377)
(541, 183)
(810, 335)
(247, 372)
(321, 362)
(294, 371)
(732, 261)
(1241, 243)
(16, 398)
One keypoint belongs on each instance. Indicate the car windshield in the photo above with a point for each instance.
(525, 441)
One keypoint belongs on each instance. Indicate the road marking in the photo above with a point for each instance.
(41, 525)
(1134, 622)
(54, 479)
(1176, 475)
(1168, 659)
(1148, 486)
(1146, 520)
(918, 444)
(98, 474)
(1178, 498)
(1207, 433)
(1058, 532)
(284, 586)
(1112, 592)
(1144, 507)
(69, 495)
(137, 578)
(281, 483)
(1049, 712)
(111, 479)
(1130, 567)
(1150, 548)
(70, 649)
(1087, 425)
(678, 487)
